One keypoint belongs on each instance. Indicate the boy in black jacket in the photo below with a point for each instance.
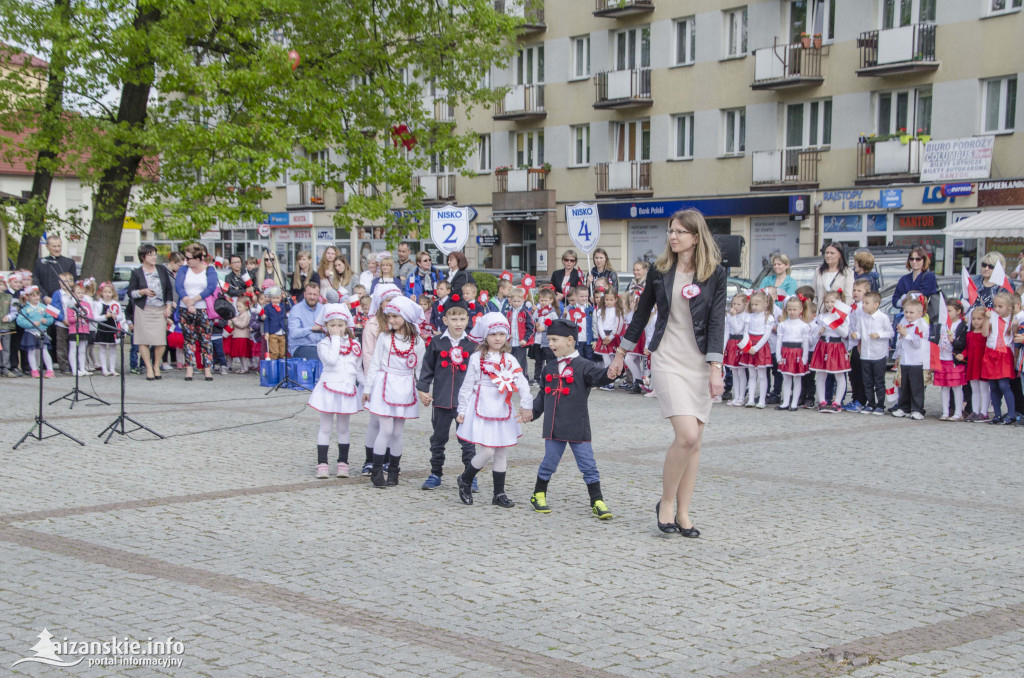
(565, 388)
(445, 364)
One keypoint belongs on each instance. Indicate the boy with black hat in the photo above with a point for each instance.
(565, 387)
(445, 364)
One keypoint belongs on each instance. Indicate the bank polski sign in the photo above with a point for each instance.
(584, 226)
(449, 228)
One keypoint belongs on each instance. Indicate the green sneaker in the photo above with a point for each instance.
(601, 510)
(540, 504)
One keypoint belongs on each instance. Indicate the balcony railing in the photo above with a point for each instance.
(443, 111)
(522, 102)
(877, 159)
(512, 181)
(352, 190)
(630, 177)
(782, 66)
(436, 187)
(897, 50)
(623, 89)
(789, 166)
(617, 8)
(309, 195)
(530, 11)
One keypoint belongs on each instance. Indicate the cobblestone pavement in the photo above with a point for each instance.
(831, 545)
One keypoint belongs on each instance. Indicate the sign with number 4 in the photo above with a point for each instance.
(449, 228)
(584, 226)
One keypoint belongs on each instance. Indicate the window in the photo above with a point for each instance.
(529, 65)
(633, 49)
(529, 148)
(438, 164)
(685, 41)
(909, 110)
(682, 128)
(808, 16)
(1001, 6)
(736, 32)
(483, 153)
(581, 57)
(580, 145)
(632, 140)
(809, 124)
(485, 82)
(898, 13)
(999, 104)
(735, 122)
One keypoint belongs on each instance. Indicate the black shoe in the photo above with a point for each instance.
(664, 527)
(781, 407)
(691, 532)
(726, 395)
(377, 472)
(635, 389)
(188, 378)
(773, 399)
(502, 501)
(16, 372)
(393, 473)
(465, 491)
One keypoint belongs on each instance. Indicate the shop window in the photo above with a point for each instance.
(878, 223)
(842, 223)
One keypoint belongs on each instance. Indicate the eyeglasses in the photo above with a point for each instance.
(678, 232)
(568, 261)
(915, 258)
(988, 265)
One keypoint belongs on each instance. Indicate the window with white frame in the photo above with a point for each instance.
(812, 17)
(529, 65)
(735, 32)
(734, 123)
(999, 104)
(580, 145)
(905, 111)
(1003, 6)
(528, 148)
(438, 164)
(633, 49)
(899, 13)
(631, 140)
(581, 57)
(483, 153)
(685, 37)
(682, 136)
(485, 82)
(809, 124)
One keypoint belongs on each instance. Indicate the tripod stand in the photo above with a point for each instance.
(40, 421)
(118, 425)
(286, 381)
(76, 394)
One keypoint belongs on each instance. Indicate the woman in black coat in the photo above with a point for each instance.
(457, 273)
(569, 278)
(687, 287)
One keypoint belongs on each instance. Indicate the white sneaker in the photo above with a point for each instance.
(751, 403)
(899, 413)
(944, 417)
(321, 472)
(342, 469)
(917, 415)
(760, 406)
(956, 418)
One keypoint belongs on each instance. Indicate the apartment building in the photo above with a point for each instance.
(791, 123)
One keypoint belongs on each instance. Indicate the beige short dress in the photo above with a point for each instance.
(679, 375)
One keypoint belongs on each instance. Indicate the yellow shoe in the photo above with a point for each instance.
(539, 502)
(601, 510)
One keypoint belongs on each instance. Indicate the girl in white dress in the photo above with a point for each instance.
(486, 414)
(337, 395)
(394, 368)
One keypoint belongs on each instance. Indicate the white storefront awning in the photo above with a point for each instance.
(991, 224)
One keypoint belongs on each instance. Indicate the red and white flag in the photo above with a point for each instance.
(224, 286)
(247, 279)
(943, 328)
(52, 310)
(1000, 279)
(892, 395)
(744, 343)
(969, 291)
(840, 312)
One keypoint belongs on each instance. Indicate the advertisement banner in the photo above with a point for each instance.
(957, 159)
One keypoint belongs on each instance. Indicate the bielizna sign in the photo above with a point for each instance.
(857, 200)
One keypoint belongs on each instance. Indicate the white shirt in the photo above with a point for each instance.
(759, 325)
(993, 321)
(793, 331)
(945, 345)
(564, 361)
(736, 324)
(914, 348)
(877, 322)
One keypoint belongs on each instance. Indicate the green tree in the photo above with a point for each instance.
(186, 114)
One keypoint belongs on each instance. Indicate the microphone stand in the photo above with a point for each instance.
(40, 421)
(118, 425)
(76, 394)
(286, 381)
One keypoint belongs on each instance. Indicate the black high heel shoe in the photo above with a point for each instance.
(664, 527)
(691, 532)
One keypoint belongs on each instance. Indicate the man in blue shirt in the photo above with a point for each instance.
(303, 331)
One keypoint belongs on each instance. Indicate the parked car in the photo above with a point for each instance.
(517, 275)
(122, 274)
(734, 285)
(890, 262)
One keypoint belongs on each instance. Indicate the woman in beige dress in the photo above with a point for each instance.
(687, 284)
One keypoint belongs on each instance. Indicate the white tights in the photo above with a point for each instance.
(958, 400)
(633, 364)
(739, 385)
(105, 354)
(819, 387)
(485, 454)
(327, 425)
(757, 380)
(33, 359)
(390, 435)
(791, 385)
(76, 355)
(981, 397)
(606, 358)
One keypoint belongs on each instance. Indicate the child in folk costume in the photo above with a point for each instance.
(426, 328)
(736, 343)
(952, 373)
(544, 314)
(396, 362)
(758, 357)
(913, 352)
(444, 366)
(792, 351)
(563, 403)
(337, 395)
(997, 361)
(78, 316)
(579, 311)
(487, 416)
(35, 318)
(830, 357)
(609, 326)
(376, 323)
(111, 316)
(238, 345)
(520, 322)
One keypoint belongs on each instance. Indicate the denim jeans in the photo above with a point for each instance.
(582, 451)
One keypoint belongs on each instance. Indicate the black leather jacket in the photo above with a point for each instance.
(707, 310)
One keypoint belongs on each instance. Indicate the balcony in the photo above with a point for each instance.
(443, 111)
(532, 16)
(305, 195)
(631, 178)
(513, 181)
(787, 168)
(619, 8)
(787, 66)
(437, 188)
(522, 102)
(356, 191)
(897, 51)
(623, 89)
(882, 162)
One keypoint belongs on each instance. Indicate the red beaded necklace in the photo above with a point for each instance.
(399, 352)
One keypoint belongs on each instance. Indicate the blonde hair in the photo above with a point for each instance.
(779, 256)
(297, 275)
(706, 255)
(380, 266)
(761, 294)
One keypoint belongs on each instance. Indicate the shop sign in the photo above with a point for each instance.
(300, 219)
(264, 230)
(798, 206)
(711, 207)
(920, 222)
(487, 240)
(890, 198)
(957, 159)
(957, 190)
(859, 200)
(277, 219)
(1007, 193)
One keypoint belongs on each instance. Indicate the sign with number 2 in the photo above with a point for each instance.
(449, 228)
(584, 226)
